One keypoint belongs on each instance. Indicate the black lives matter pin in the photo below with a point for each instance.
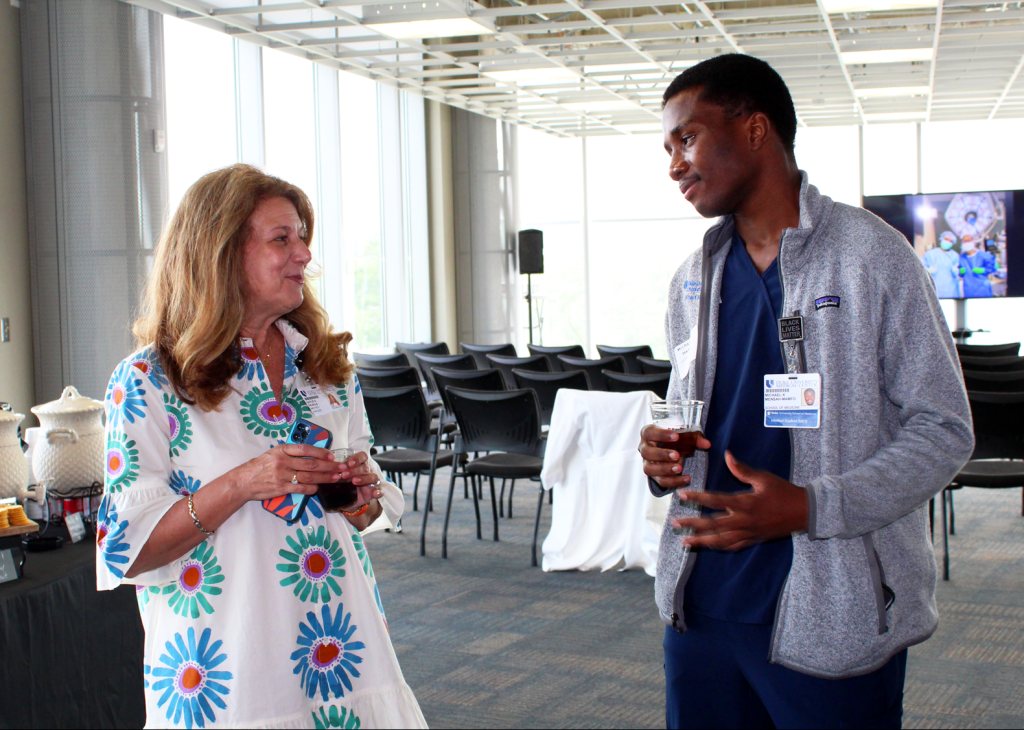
(791, 329)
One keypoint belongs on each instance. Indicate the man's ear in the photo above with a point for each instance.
(759, 128)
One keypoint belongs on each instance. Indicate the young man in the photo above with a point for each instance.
(809, 568)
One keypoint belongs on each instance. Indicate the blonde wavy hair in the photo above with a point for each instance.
(195, 300)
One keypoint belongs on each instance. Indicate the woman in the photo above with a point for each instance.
(250, 621)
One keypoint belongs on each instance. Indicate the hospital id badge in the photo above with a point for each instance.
(318, 401)
(792, 401)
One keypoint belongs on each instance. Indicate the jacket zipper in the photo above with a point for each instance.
(792, 455)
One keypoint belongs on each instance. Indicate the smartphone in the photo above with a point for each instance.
(289, 507)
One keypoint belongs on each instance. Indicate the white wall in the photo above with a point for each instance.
(16, 366)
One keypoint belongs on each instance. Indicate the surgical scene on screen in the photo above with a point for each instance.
(961, 240)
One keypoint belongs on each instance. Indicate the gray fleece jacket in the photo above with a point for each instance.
(895, 428)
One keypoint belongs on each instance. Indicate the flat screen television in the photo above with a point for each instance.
(971, 243)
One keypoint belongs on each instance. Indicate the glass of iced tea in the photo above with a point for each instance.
(683, 417)
(339, 495)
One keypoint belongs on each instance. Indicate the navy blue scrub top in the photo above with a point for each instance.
(743, 586)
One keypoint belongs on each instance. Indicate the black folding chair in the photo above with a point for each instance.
(998, 459)
(410, 350)
(630, 383)
(552, 353)
(1011, 349)
(400, 418)
(398, 360)
(984, 382)
(480, 352)
(537, 363)
(650, 366)
(508, 425)
(490, 380)
(388, 377)
(1004, 364)
(547, 385)
(448, 362)
(594, 368)
(629, 354)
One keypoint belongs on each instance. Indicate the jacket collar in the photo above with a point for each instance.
(814, 209)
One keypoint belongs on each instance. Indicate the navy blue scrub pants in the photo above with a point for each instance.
(717, 675)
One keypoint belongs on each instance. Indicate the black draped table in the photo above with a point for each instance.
(71, 656)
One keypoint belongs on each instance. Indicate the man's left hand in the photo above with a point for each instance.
(774, 508)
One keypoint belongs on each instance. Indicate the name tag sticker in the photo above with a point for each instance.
(792, 401)
(685, 353)
(318, 401)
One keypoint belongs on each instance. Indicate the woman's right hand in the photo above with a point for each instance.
(270, 475)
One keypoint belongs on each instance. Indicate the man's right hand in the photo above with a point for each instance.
(665, 465)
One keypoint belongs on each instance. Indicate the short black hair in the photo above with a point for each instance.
(740, 84)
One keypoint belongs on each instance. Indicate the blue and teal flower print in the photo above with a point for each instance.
(182, 484)
(190, 680)
(314, 564)
(145, 676)
(197, 579)
(110, 538)
(144, 593)
(125, 400)
(326, 657)
(336, 716)
(179, 422)
(355, 381)
(290, 355)
(147, 362)
(252, 366)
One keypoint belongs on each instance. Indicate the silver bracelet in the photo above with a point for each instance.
(195, 520)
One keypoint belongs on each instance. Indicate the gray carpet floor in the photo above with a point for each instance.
(487, 641)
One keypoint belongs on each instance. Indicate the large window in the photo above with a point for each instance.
(613, 237)
(289, 120)
(612, 244)
(554, 205)
(200, 83)
(357, 150)
(361, 209)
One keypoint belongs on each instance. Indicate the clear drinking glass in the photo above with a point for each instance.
(339, 495)
(683, 417)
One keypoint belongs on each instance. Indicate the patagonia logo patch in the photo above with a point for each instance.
(824, 302)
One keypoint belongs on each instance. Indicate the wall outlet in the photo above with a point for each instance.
(5, 329)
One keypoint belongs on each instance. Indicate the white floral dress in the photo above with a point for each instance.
(264, 624)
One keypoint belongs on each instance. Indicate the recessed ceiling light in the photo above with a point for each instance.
(530, 76)
(437, 28)
(890, 55)
(867, 6)
(893, 91)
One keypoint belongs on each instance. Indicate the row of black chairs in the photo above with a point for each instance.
(609, 373)
(994, 378)
(485, 401)
(504, 425)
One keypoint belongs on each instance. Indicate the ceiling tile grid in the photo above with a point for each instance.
(598, 67)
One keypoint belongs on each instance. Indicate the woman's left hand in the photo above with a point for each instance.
(366, 482)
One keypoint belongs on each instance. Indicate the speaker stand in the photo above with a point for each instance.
(529, 304)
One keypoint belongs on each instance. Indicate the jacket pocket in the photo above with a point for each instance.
(884, 595)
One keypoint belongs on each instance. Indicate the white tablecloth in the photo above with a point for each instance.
(603, 511)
